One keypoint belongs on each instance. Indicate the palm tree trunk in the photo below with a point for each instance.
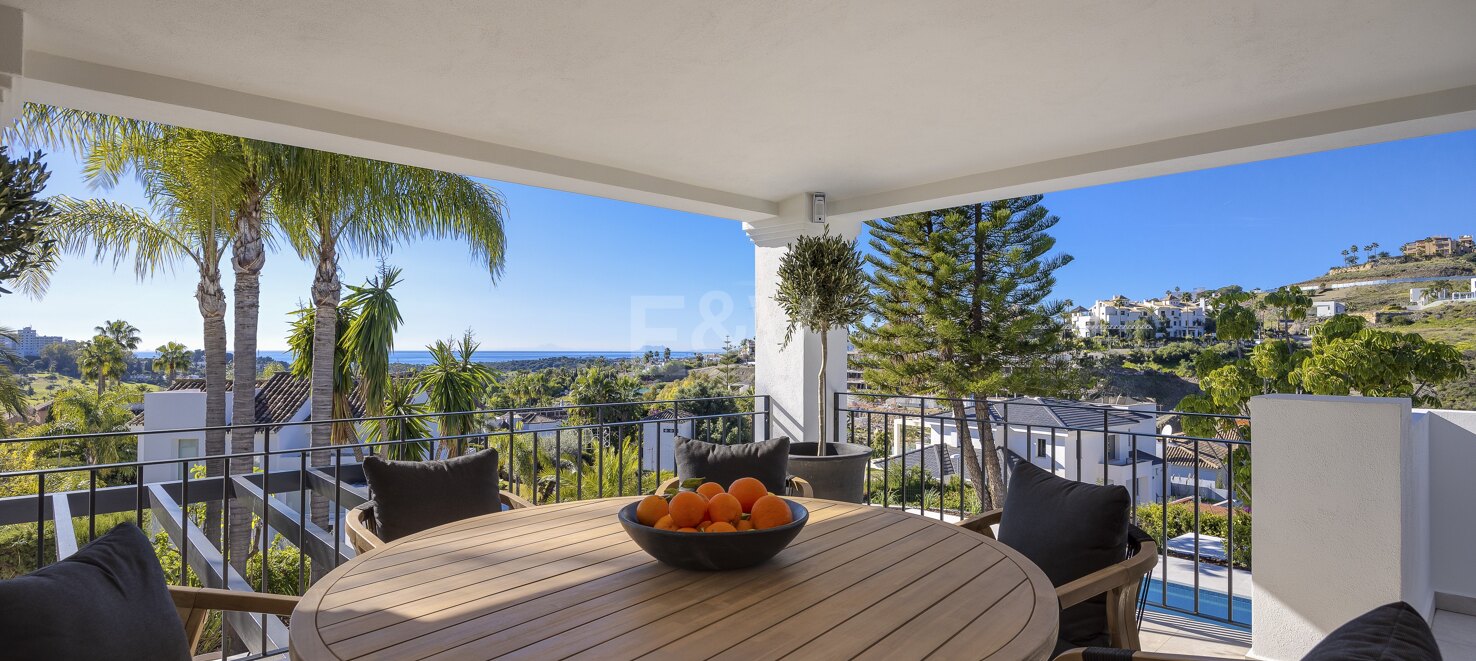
(325, 292)
(211, 299)
(248, 254)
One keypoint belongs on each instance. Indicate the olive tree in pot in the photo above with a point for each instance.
(822, 288)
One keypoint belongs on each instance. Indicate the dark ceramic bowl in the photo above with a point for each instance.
(713, 551)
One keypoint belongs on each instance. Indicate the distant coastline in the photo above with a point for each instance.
(501, 359)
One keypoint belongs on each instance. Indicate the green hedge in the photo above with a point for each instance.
(1181, 520)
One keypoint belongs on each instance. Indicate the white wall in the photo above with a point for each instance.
(658, 443)
(1336, 529)
(1452, 501)
(170, 409)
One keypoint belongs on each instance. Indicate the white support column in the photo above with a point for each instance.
(12, 53)
(1337, 527)
(790, 376)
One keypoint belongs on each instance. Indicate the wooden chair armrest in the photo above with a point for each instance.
(513, 501)
(664, 486)
(800, 487)
(194, 604)
(232, 600)
(1123, 574)
(359, 534)
(1083, 654)
(980, 523)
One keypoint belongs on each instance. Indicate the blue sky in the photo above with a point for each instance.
(589, 273)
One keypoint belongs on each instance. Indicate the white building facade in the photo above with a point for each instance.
(1065, 438)
(28, 344)
(1171, 317)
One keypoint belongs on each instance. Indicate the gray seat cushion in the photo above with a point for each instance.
(107, 600)
(411, 496)
(1388, 633)
(1069, 529)
(766, 460)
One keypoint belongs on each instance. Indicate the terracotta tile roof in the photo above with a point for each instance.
(278, 398)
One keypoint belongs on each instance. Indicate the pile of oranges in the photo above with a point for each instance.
(745, 505)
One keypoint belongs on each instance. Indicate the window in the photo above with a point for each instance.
(1040, 447)
(1112, 450)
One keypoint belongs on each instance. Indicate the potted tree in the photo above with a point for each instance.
(822, 288)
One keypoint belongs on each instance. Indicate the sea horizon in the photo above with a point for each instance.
(423, 357)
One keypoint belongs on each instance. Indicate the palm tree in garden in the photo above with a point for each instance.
(189, 178)
(400, 401)
(333, 204)
(370, 337)
(12, 393)
(171, 358)
(453, 384)
(122, 332)
(102, 358)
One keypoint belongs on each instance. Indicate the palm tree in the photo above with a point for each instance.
(189, 178)
(399, 400)
(122, 332)
(78, 411)
(453, 385)
(371, 336)
(333, 202)
(102, 358)
(12, 396)
(171, 358)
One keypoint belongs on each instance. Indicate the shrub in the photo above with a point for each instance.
(1181, 520)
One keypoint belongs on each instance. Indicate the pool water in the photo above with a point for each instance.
(1211, 603)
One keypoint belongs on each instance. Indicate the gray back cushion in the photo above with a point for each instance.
(766, 460)
(1389, 632)
(107, 600)
(1069, 529)
(411, 496)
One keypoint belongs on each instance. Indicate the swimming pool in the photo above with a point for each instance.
(1211, 603)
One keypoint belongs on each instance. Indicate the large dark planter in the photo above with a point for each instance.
(839, 475)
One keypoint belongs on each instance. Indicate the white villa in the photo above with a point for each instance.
(658, 437)
(1172, 317)
(280, 399)
(1325, 309)
(1062, 436)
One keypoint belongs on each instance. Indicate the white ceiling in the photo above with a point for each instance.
(745, 104)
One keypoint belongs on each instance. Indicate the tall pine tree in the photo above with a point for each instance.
(960, 311)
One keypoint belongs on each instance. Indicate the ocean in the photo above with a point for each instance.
(424, 357)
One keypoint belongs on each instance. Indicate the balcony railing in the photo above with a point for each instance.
(597, 451)
(916, 466)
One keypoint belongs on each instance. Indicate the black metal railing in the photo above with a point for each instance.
(575, 452)
(916, 465)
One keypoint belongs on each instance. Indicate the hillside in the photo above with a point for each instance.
(1439, 267)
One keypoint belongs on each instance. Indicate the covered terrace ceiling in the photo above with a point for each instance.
(733, 108)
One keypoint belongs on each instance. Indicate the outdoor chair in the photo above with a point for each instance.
(411, 496)
(1079, 534)
(1392, 631)
(768, 461)
(110, 599)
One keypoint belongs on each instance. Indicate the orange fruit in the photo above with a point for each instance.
(664, 523)
(710, 489)
(770, 512)
(744, 525)
(747, 490)
(651, 509)
(725, 507)
(687, 509)
(721, 526)
(703, 526)
(688, 530)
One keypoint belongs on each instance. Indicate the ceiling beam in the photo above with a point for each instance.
(1393, 119)
(62, 81)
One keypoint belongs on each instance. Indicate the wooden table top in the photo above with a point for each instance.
(564, 581)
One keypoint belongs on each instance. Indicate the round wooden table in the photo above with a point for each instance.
(564, 581)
